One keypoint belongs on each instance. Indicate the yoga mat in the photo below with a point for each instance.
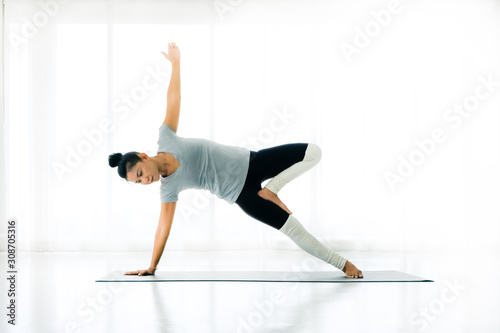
(262, 276)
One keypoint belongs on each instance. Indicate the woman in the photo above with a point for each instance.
(234, 174)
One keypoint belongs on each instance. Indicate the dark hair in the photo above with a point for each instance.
(124, 163)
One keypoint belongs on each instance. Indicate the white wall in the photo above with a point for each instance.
(257, 75)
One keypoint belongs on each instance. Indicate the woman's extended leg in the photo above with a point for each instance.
(272, 215)
(307, 242)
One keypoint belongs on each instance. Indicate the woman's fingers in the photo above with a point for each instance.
(140, 272)
(173, 52)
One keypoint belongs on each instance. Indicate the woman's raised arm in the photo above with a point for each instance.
(174, 88)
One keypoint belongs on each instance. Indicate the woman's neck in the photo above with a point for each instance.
(167, 164)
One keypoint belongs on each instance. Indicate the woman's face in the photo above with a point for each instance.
(144, 172)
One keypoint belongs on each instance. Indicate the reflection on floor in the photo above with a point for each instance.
(57, 293)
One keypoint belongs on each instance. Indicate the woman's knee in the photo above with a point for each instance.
(313, 153)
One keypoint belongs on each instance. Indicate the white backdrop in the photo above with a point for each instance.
(403, 98)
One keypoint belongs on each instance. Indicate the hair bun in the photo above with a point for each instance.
(114, 159)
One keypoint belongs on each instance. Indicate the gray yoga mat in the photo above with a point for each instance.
(262, 276)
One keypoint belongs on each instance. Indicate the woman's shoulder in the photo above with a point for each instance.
(166, 136)
(165, 129)
(169, 189)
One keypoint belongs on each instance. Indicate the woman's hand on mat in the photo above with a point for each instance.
(149, 271)
(173, 55)
(351, 271)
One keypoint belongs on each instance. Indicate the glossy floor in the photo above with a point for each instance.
(56, 293)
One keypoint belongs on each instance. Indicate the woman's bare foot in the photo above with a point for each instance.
(271, 196)
(351, 271)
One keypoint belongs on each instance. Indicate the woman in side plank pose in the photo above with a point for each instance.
(234, 174)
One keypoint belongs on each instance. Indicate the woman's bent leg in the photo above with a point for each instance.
(311, 158)
(262, 210)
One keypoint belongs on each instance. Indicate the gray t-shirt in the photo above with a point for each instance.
(203, 164)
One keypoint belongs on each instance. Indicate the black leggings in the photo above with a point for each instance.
(265, 164)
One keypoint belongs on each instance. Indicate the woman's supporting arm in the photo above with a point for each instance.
(161, 236)
(162, 232)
